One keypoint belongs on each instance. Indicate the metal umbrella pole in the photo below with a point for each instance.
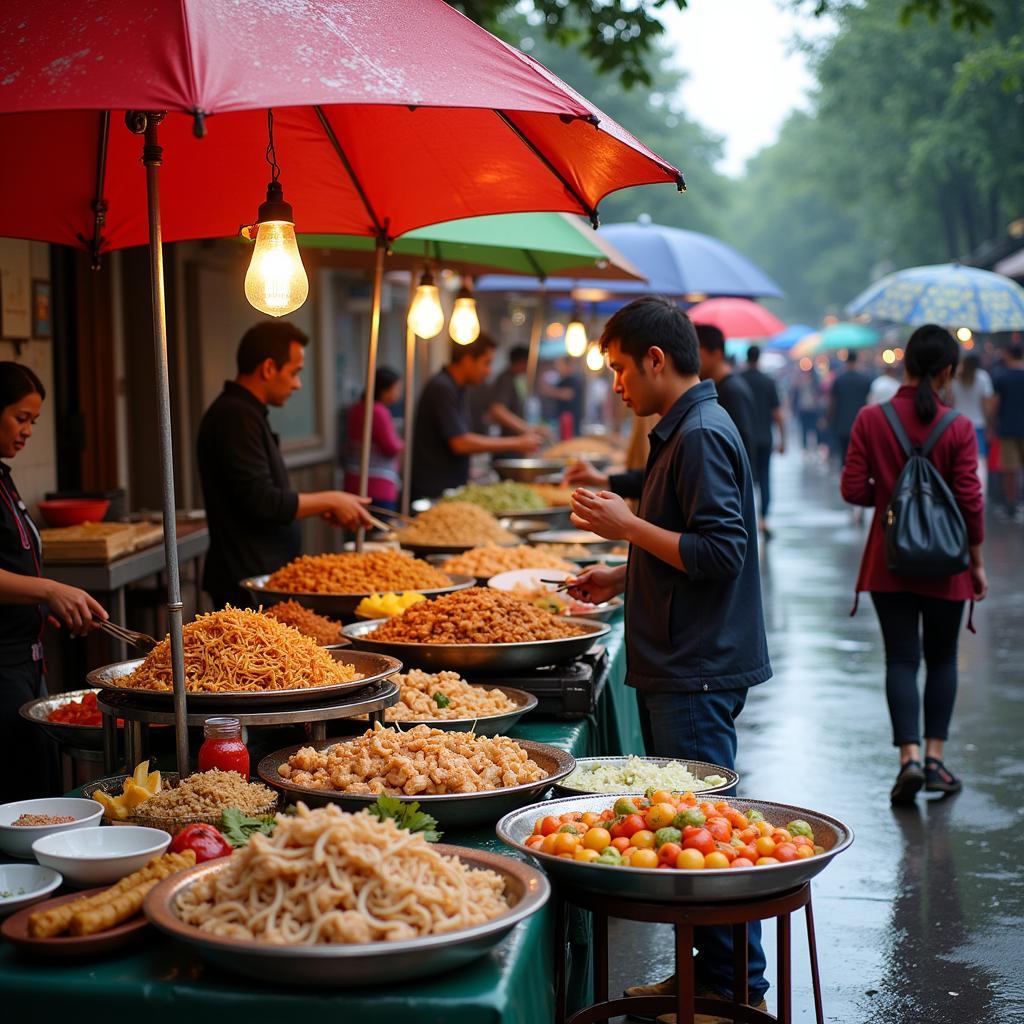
(146, 124)
(410, 411)
(371, 373)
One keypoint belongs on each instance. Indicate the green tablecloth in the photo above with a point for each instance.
(161, 982)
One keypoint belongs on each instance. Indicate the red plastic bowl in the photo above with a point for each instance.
(73, 511)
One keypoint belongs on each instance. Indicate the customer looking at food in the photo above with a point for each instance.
(28, 598)
(443, 438)
(385, 445)
(695, 637)
(251, 510)
(917, 612)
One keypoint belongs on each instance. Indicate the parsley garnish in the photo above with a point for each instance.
(441, 700)
(407, 816)
(237, 828)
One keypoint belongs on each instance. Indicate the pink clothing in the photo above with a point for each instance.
(385, 448)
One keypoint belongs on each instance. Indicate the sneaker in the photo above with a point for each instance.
(939, 779)
(709, 1018)
(908, 784)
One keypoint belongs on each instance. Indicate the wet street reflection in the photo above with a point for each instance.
(922, 920)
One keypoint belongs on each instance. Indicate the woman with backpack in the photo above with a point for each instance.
(922, 561)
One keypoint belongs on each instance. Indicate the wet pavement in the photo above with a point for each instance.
(922, 920)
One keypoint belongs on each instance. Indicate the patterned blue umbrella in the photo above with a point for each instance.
(948, 294)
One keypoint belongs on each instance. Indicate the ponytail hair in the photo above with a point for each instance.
(17, 381)
(930, 350)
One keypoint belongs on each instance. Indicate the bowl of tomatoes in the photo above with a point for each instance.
(676, 847)
(73, 718)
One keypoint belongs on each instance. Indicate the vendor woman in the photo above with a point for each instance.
(30, 598)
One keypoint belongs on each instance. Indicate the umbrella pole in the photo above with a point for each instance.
(146, 124)
(536, 334)
(410, 379)
(371, 372)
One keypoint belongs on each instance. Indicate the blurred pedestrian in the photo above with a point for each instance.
(1008, 423)
(972, 395)
(808, 407)
(734, 394)
(918, 612)
(385, 445)
(567, 394)
(885, 385)
(767, 411)
(849, 395)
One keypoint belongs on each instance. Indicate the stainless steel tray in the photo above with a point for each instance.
(85, 737)
(345, 966)
(336, 605)
(495, 725)
(587, 539)
(523, 527)
(373, 666)
(452, 810)
(480, 658)
(701, 769)
(710, 886)
(526, 471)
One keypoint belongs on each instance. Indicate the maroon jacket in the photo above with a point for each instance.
(875, 460)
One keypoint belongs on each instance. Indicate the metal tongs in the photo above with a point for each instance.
(559, 584)
(389, 513)
(126, 636)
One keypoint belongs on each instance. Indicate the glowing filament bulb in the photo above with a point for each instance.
(276, 281)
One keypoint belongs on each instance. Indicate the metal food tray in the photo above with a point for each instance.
(526, 471)
(522, 527)
(483, 581)
(657, 885)
(700, 769)
(84, 737)
(452, 810)
(373, 666)
(480, 658)
(335, 605)
(494, 725)
(584, 537)
(372, 963)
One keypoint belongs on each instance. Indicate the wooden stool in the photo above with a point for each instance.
(685, 917)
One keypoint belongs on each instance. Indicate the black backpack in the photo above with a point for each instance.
(925, 534)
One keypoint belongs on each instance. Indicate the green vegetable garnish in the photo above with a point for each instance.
(753, 815)
(441, 700)
(668, 834)
(692, 817)
(238, 828)
(407, 816)
(799, 827)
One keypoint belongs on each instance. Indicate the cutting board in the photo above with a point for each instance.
(98, 542)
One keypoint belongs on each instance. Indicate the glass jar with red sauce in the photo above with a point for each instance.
(223, 747)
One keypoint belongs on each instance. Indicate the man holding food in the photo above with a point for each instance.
(444, 438)
(695, 639)
(251, 510)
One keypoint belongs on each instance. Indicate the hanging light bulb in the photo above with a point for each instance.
(276, 281)
(464, 326)
(595, 358)
(575, 336)
(426, 317)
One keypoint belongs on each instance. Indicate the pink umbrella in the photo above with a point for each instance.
(737, 318)
(388, 116)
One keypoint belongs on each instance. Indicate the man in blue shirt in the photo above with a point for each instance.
(1008, 419)
(695, 639)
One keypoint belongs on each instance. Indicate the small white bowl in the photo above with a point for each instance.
(530, 578)
(100, 856)
(17, 840)
(27, 884)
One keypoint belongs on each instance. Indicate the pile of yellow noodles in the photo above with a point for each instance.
(240, 650)
(325, 876)
(354, 573)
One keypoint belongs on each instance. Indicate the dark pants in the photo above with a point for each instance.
(28, 754)
(909, 623)
(702, 727)
(809, 425)
(762, 475)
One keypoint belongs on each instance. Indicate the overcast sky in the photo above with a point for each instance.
(744, 77)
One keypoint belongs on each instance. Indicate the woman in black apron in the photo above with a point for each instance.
(29, 599)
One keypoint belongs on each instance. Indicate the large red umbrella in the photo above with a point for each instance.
(388, 116)
(737, 318)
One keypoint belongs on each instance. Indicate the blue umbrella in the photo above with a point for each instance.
(786, 339)
(948, 294)
(675, 262)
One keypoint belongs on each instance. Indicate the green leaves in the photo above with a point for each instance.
(407, 816)
(238, 828)
(441, 700)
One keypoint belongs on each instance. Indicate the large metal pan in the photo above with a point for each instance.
(452, 810)
(526, 471)
(585, 537)
(476, 659)
(371, 665)
(428, 550)
(335, 605)
(494, 725)
(656, 885)
(84, 737)
(345, 966)
(699, 769)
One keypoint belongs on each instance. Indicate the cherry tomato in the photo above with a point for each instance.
(716, 859)
(590, 818)
(765, 846)
(566, 842)
(719, 828)
(644, 859)
(660, 815)
(781, 835)
(663, 796)
(643, 840)
(785, 852)
(742, 862)
(607, 815)
(803, 852)
(763, 828)
(819, 849)
(548, 845)
(700, 840)
(586, 855)
(709, 809)
(690, 860)
(548, 825)
(803, 841)
(762, 861)
(570, 816)
(727, 851)
(533, 841)
(631, 824)
(668, 853)
(689, 800)
(564, 856)
(749, 834)
(747, 850)
(735, 818)
(620, 843)
(597, 839)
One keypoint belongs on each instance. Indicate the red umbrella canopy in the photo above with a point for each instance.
(737, 318)
(388, 116)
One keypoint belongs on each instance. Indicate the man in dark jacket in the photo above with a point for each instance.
(251, 510)
(768, 412)
(734, 394)
(695, 639)
(849, 395)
